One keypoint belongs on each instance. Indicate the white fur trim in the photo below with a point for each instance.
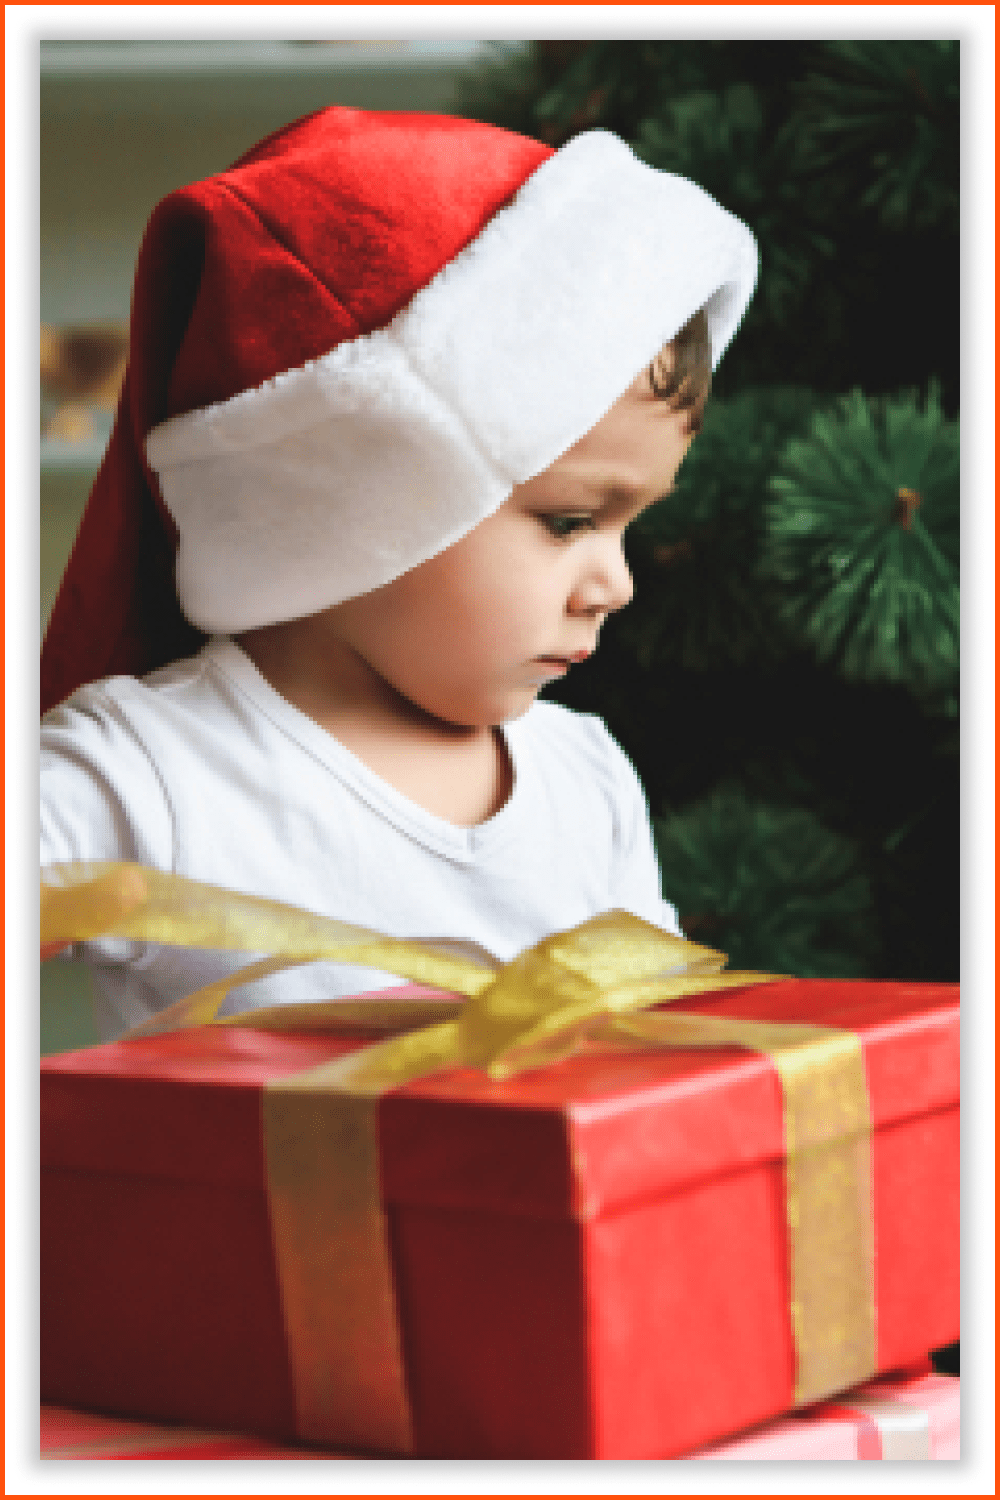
(336, 477)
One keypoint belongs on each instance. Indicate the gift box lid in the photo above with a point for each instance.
(578, 1139)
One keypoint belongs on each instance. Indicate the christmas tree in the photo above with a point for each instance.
(786, 680)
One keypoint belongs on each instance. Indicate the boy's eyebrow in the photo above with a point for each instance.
(602, 493)
(617, 497)
(599, 494)
(618, 493)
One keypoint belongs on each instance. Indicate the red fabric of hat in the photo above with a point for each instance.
(320, 234)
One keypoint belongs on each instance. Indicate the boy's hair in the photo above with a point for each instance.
(682, 371)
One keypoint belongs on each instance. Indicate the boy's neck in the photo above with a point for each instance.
(458, 773)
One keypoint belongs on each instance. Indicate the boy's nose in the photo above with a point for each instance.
(606, 584)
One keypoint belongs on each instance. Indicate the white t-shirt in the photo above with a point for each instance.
(203, 769)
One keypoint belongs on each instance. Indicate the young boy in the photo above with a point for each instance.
(396, 386)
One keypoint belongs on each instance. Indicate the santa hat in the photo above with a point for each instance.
(347, 350)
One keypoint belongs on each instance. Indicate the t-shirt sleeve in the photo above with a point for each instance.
(100, 795)
(636, 882)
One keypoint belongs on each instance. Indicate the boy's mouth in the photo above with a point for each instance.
(559, 664)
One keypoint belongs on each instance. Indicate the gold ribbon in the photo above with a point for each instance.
(321, 1131)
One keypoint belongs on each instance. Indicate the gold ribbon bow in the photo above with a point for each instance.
(595, 982)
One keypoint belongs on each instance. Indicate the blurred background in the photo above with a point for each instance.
(786, 680)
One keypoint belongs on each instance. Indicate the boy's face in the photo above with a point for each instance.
(472, 635)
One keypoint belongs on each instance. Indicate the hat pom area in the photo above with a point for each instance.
(335, 477)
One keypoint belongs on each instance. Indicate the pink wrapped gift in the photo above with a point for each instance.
(69, 1434)
(907, 1416)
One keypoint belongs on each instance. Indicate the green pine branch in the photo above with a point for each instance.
(862, 536)
(880, 121)
(769, 885)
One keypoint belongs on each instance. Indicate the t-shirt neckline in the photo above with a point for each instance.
(418, 822)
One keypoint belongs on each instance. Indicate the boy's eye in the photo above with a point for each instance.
(565, 525)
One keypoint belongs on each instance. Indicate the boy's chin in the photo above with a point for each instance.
(501, 709)
(514, 704)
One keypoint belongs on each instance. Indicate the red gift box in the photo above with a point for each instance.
(590, 1260)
